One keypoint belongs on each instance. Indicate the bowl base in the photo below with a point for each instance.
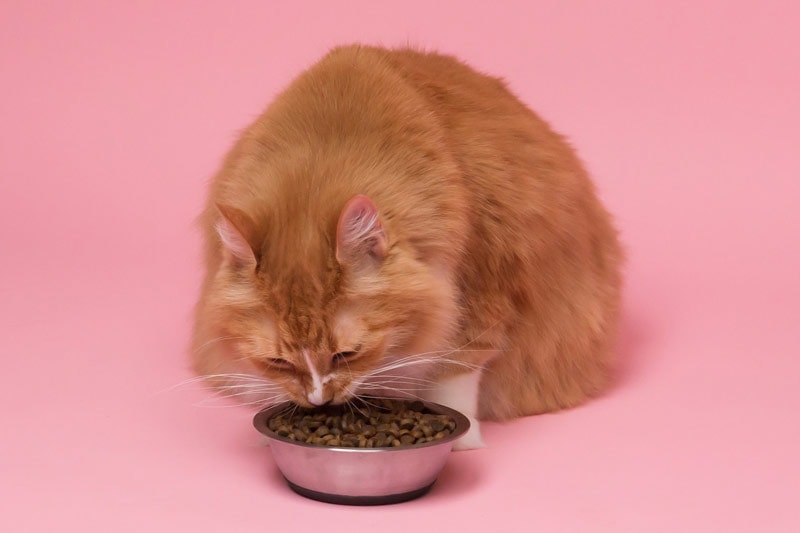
(359, 500)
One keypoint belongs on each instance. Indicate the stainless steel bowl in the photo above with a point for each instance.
(360, 476)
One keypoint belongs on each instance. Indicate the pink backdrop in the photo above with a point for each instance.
(114, 115)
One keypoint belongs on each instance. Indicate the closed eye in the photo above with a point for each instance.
(283, 364)
(341, 356)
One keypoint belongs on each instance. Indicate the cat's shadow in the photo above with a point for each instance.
(634, 333)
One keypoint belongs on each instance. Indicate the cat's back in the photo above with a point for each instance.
(428, 137)
(495, 139)
(448, 84)
(517, 171)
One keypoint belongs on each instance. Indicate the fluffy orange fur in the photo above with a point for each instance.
(393, 219)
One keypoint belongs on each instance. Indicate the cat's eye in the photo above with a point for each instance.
(280, 363)
(341, 356)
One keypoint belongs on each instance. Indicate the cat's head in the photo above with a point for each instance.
(316, 311)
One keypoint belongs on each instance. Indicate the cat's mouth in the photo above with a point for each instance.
(309, 400)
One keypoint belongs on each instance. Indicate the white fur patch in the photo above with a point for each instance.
(461, 393)
(315, 395)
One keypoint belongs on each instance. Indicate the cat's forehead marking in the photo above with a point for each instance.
(316, 395)
(301, 301)
(305, 332)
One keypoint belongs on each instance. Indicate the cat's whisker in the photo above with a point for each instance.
(349, 401)
(286, 409)
(391, 377)
(230, 375)
(208, 343)
(461, 349)
(261, 402)
(292, 408)
(211, 378)
(425, 355)
(396, 384)
(398, 388)
(350, 372)
(263, 386)
(421, 361)
(247, 393)
(436, 352)
(354, 407)
(392, 392)
(376, 406)
(400, 391)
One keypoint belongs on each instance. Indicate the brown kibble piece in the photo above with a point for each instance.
(407, 423)
(437, 425)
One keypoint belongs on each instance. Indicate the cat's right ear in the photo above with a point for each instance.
(360, 237)
(237, 233)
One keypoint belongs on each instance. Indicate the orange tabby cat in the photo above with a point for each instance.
(397, 223)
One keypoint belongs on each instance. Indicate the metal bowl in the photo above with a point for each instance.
(360, 476)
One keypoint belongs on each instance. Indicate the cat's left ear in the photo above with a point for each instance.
(237, 232)
(359, 234)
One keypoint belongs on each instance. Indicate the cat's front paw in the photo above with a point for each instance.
(472, 439)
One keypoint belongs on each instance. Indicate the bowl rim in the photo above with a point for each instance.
(461, 420)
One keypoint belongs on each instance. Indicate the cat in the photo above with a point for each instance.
(397, 223)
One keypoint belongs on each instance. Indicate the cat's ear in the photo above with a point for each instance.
(237, 232)
(360, 236)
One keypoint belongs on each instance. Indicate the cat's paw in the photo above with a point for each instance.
(472, 440)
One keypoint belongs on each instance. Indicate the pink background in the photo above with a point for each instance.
(114, 115)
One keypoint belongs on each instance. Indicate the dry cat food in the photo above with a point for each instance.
(377, 424)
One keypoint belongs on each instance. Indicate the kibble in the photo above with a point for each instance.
(379, 423)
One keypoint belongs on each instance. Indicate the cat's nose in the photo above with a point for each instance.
(319, 392)
(318, 398)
